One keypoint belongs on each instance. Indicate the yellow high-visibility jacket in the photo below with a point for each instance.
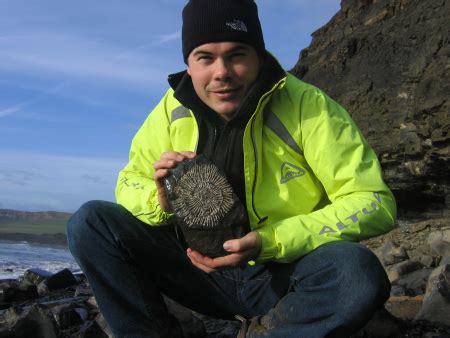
(310, 176)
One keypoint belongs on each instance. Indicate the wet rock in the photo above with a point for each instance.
(36, 276)
(398, 270)
(423, 258)
(101, 322)
(83, 290)
(404, 307)
(382, 325)
(206, 208)
(92, 301)
(59, 280)
(16, 292)
(29, 322)
(393, 253)
(445, 260)
(398, 290)
(439, 242)
(68, 315)
(436, 303)
(89, 329)
(55, 299)
(415, 282)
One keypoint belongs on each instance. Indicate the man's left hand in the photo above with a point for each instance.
(241, 251)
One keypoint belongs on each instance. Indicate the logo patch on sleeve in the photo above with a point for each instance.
(290, 171)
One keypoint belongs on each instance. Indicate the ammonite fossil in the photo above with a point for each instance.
(206, 208)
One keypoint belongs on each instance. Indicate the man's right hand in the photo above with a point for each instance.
(167, 161)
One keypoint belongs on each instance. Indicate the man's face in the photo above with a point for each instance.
(222, 73)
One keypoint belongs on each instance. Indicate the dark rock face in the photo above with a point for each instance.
(387, 63)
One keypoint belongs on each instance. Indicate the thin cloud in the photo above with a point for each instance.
(77, 57)
(169, 37)
(91, 178)
(44, 93)
(55, 182)
(9, 111)
(18, 177)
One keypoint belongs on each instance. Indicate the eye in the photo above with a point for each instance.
(204, 58)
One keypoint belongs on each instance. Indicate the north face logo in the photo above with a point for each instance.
(290, 171)
(237, 25)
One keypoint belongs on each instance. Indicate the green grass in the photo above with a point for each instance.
(35, 227)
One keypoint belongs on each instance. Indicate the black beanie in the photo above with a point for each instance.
(206, 21)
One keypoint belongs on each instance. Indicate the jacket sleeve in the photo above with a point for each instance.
(361, 205)
(136, 189)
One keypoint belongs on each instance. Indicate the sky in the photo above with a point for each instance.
(77, 79)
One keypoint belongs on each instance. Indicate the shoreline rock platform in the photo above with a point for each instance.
(416, 257)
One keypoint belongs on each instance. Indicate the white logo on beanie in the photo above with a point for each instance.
(237, 25)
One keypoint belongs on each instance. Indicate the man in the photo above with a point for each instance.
(311, 185)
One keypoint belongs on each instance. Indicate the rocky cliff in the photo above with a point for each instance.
(387, 62)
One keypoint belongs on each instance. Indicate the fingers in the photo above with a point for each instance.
(167, 161)
(249, 243)
(209, 265)
(170, 159)
(197, 262)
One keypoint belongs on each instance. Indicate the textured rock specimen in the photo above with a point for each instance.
(388, 63)
(207, 210)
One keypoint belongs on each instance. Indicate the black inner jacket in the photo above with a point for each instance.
(219, 140)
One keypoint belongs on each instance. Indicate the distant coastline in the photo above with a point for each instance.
(45, 228)
(58, 239)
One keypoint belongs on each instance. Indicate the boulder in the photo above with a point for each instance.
(16, 292)
(59, 280)
(36, 276)
(396, 271)
(415, 282)
(436, 303)
(28, 322)
(404, 307)
(445, 260)
(439, 242)
(382, 325)
(68, 315)
(393, 253)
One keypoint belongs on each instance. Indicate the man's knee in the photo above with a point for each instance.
(78, 226)
(349, 271)
(363, 283)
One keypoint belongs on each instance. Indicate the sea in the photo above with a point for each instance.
(17, 257)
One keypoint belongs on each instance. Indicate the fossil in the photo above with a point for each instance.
(206, 208)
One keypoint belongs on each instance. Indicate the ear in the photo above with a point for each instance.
(189, 70)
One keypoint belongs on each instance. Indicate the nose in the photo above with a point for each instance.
(222, 70)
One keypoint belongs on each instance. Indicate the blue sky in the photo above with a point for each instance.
(78, 78)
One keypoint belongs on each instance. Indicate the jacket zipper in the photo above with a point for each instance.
(255, 151)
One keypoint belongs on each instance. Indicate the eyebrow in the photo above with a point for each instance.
(232, 50)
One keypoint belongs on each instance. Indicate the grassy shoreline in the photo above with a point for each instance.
(48, 232)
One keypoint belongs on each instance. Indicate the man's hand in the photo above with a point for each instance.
(167, 161)
(241, 251)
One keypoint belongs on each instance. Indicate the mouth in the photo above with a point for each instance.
(226, 93)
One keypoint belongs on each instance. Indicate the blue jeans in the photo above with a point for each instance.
(331, 292)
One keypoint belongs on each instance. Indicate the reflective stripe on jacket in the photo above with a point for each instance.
(310, 176)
